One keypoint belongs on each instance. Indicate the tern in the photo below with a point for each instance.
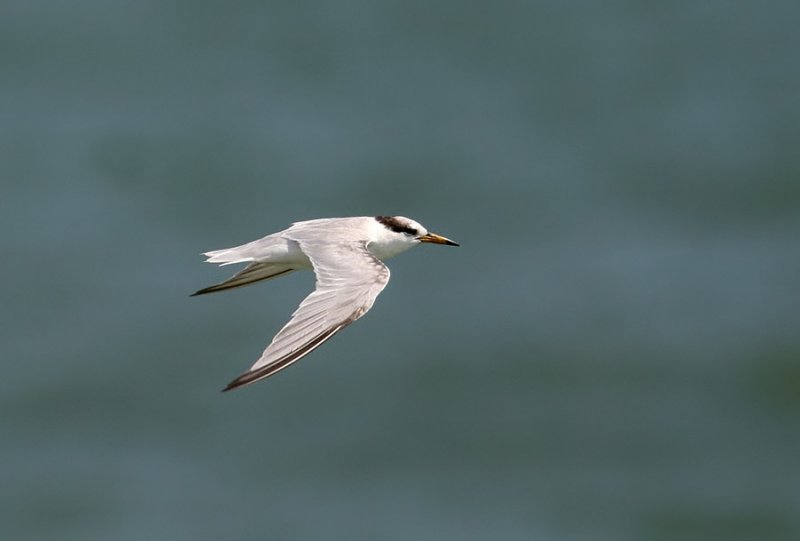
(346, 255)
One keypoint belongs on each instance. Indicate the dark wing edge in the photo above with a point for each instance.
(275, 367)
(254, 272)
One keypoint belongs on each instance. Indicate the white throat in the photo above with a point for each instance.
(384, 250)
(384, 243)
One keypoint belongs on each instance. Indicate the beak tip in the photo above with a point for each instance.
(436, 239)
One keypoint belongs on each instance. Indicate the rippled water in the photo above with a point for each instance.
(613, 352)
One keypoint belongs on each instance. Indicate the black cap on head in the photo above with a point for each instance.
(397, 225)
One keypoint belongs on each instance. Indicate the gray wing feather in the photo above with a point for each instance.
(349, 278)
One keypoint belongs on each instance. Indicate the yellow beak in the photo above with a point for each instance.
(436, 239)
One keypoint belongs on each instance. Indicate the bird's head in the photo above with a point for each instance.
(399, 233)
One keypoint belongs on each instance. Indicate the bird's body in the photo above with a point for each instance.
(346, 255)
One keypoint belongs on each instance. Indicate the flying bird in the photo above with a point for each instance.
(346, 255)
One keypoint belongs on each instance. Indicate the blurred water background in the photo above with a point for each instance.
(612, 354)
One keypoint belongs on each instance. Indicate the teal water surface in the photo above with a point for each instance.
(612, 354)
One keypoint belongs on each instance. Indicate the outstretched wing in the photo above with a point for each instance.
(349, 278)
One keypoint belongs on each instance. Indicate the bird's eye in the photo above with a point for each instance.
(408, 230)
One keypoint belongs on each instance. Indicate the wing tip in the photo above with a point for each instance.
(247, 276)
(235, 384)
(268, 370)
(246, 379)
(209, 289)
